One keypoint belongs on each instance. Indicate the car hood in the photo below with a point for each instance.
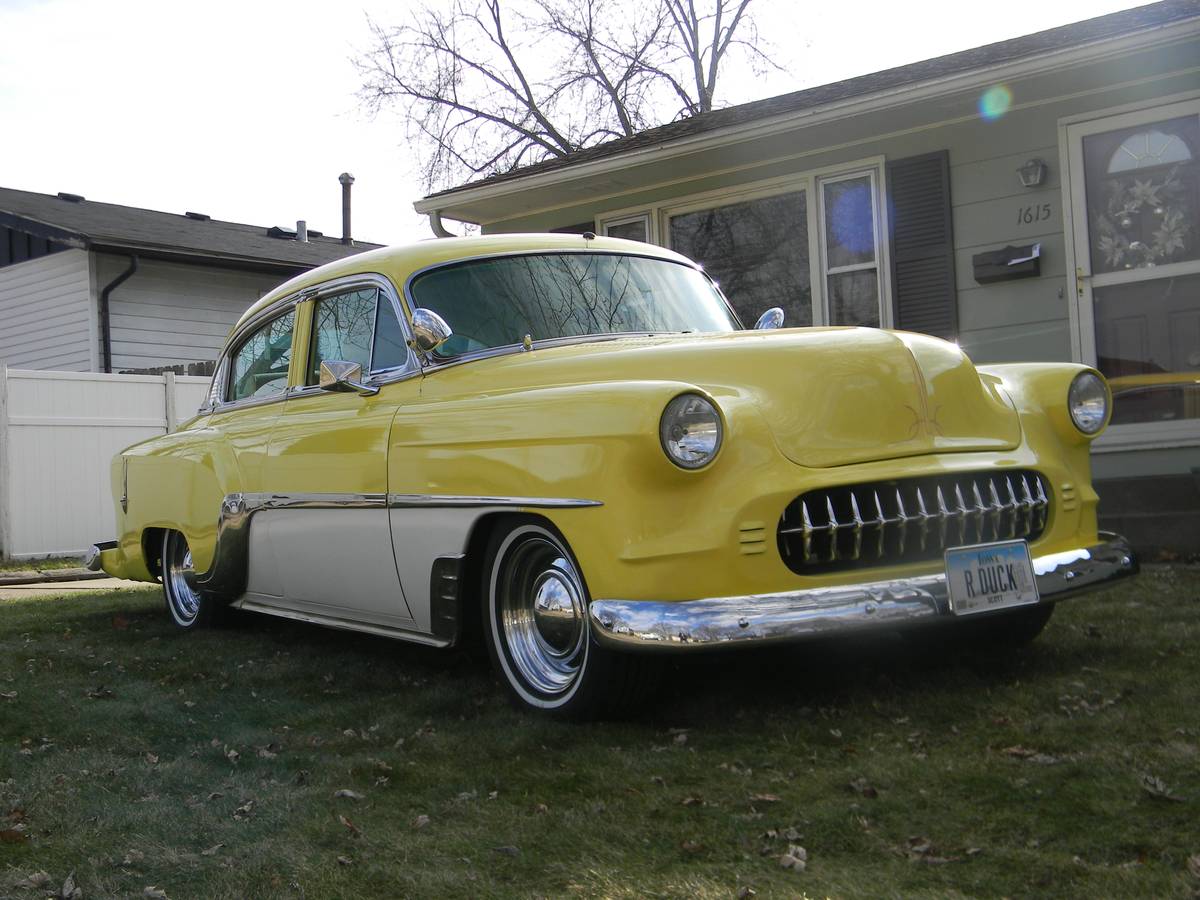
(831, 396)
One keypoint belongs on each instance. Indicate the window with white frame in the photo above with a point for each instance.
(809, 244)
(756, 250)
(630, 228)
(849, 212)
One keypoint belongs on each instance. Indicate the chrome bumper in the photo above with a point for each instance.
(92, 560)
(775, 618)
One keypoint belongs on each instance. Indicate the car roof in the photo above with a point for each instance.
(399, 262)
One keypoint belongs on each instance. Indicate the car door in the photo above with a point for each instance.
(324, 547)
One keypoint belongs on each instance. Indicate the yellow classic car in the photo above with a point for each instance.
(569, 446)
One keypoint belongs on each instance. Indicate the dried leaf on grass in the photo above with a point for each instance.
(864, 787)
(100, 693)
(1193, 865)
(345, 861)
(8, 695)
(507, 851)
(421, 821)
(156, 893)
(764, 798)
(795, 859)
(1033, 756)
(1158, 789)
(69, 890)
(354, 830)
(15, 835)
(212, 851)
(346, 794)
(921, 849)
(38, 881)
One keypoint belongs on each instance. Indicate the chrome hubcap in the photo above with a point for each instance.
(540, 606)
(180, 577)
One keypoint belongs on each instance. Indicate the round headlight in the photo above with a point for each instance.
(690, 431)
(1087, 401)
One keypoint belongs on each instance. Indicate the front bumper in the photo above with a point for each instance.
(793, 615)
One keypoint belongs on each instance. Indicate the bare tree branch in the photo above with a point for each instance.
(483, 86)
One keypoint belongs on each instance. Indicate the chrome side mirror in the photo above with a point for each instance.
(429, 330)
(772, 318)
(340, 376)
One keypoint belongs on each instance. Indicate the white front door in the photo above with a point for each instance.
(1134, 182)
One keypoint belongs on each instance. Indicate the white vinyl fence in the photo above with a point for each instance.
(58, 434)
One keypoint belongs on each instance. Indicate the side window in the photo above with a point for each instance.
(391, 347)
(342, 328)
(260, 365)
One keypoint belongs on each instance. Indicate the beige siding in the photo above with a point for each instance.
(1008, 321)
(44, 313)
(170, 313)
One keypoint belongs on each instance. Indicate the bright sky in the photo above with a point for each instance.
(245, 109)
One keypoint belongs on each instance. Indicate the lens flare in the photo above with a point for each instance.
(995, 102)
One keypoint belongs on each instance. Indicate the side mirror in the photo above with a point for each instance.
(429, 330)
(772, 318)
(342, 377)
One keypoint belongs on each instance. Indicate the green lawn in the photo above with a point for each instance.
(210, 765)
(40, 565)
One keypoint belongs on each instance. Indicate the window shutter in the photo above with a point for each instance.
(922, 245)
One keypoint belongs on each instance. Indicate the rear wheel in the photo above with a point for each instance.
(537, 628)
(190, 608)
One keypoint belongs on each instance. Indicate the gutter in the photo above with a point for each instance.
(105, 326)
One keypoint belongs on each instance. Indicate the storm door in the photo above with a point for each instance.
(1135, 202)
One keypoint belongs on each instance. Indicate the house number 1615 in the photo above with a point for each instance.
(1027, 215)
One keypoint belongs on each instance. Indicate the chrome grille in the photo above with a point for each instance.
(909, 520)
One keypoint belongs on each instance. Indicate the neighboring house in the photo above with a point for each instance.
(97, 287)
(1034, 199)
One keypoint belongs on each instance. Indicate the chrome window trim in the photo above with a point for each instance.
(227, 355)
(408, 369)
(519, 347)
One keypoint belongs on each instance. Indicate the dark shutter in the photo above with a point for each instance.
(922, 244)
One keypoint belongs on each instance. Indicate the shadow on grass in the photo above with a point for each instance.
(695, 689)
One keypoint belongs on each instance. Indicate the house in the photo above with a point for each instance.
(97, 287)
(1033, 199)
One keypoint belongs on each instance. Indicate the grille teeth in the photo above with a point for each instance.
(828, 530)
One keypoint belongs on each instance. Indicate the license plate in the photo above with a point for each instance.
(988, 577)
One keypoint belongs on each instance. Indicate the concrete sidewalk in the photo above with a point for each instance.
(47, 588)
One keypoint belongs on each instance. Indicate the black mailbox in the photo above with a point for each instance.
(1008, 263)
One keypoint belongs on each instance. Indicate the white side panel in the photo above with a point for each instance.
(63, 430)
(44, 311)
(421, 535)
(170, 313)
(334, 562)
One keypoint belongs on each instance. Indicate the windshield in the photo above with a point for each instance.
(496, 302)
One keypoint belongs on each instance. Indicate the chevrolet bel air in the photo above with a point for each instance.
(569, 447)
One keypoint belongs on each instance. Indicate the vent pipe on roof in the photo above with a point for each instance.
(346, 180)
(302, 231)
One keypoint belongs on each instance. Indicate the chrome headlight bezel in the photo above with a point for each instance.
(1089, 402)
(698, 452)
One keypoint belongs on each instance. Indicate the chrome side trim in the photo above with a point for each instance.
(795, 615)
(402, 501)
(227, 574)
(345, 624)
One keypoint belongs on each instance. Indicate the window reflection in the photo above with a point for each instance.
(757, 251)
(260, 364)
(496, 302)
(342, 328)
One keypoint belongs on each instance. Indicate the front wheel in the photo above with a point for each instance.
(190, 608)
(538, 634)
